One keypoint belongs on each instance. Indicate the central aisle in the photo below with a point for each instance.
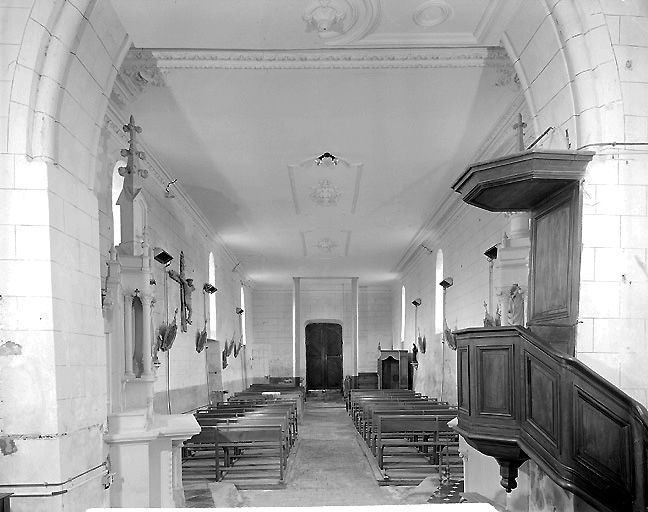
(329, 467)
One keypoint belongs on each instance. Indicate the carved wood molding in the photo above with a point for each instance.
(543, 405)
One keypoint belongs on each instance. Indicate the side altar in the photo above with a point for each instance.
(144, 448)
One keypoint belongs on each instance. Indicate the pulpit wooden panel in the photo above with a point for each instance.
(541, 399)
(555, 269)
(463, 391)
(495, 392)
(528, 400)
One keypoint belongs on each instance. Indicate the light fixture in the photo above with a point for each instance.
(327, 158)
(167, 192)
(209, 288)
(239, 311)
(491, 253)
(447, 282)
(161, 256)
(416, 302)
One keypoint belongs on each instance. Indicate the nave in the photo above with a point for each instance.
(328, 466)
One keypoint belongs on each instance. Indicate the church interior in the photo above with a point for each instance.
(324, 252)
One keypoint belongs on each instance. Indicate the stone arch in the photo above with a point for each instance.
(560, 50)
(57, 117)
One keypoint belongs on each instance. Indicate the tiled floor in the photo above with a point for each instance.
(327, 466)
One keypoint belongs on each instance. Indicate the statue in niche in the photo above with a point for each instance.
(516, 305)
(414, 352)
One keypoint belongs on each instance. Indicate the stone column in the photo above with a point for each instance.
(128, 336)
(296, 329)
(354, 324)
(176, 476)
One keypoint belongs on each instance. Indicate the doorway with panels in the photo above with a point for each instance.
(324, 356)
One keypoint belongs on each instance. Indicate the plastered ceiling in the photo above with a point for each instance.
(244, 96)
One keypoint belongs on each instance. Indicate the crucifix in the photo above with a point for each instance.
(519, 128)
(186, 287)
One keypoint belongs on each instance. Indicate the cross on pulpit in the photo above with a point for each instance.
(186, 288)
(519, 128)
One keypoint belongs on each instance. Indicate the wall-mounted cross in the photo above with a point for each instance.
(186, 287)
(519, 128)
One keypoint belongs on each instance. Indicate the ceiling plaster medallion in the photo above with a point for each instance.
(432, 13)
(326, 245)
(342, 21)
(325, 194)
(327, 16)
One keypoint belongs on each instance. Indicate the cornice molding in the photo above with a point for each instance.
(342, 58)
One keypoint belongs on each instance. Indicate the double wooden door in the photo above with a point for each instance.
(323, 356)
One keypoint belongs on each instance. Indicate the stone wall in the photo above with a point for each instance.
(57, 59)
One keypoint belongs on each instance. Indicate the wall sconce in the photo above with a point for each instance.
(446, 283)
(239, 311)
(161, 256)
(167, 192)
(416, 302)
(209, 288)
(491, 253)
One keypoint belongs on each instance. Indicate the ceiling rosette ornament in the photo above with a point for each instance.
(325, 194)
(432, 13)
(340, 22)
(326, 245)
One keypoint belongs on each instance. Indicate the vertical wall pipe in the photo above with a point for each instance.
(354, 335)
(296, 328)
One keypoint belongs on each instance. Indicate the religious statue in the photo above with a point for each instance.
(414, 353)
(516, 305)
(489, 321)
(186, 288)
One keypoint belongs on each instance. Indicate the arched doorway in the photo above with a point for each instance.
(323, 356)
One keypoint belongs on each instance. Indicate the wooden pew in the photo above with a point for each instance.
(354, 394)
(241, 414)
(369, 428)
(414, 431)
(248, 439)
(358, 396)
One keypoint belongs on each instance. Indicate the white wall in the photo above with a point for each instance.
(273, 317)
(59, 62)
(463, 242)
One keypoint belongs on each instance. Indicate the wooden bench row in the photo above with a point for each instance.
(247, 435)
(397, 423)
